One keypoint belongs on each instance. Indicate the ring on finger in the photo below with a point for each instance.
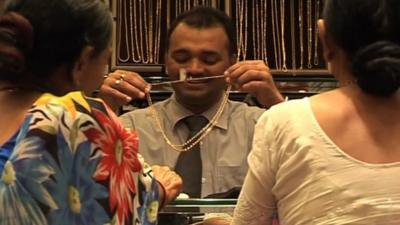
(118, 82)
(121, 76)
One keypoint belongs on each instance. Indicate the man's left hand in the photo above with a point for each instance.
(254, 77)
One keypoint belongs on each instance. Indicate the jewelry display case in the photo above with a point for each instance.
(282, 33)
(189, 211)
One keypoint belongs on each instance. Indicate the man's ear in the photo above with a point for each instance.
(81, 64)
(326, 41)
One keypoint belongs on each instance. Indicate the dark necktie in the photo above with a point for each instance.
(189, 164)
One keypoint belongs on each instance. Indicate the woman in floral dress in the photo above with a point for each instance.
(64, 157)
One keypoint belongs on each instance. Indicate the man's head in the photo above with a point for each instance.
(201, 41)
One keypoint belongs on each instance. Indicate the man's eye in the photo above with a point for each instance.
(181, 59)
(211, 60)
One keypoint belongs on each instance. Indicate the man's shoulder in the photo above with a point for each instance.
(143, 112)
(243, 109)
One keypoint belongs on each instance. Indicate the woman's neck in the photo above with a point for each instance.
(14, 105)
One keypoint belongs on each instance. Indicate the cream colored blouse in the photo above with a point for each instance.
(296, 171)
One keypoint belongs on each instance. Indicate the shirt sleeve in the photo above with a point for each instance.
(256, 203)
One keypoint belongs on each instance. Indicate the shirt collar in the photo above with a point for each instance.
(178, 112)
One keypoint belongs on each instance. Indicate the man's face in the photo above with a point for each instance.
(201, 52)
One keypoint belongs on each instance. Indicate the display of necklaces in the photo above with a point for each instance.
(282, 33)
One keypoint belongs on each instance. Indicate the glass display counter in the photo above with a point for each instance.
(189, 211)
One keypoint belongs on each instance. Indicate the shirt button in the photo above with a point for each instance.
(203, 180)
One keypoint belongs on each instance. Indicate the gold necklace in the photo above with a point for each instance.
(145, 34)
(123, 9)
(245, 22)
(239, 27)
(264, 40)
(134, 32)
(198, 136)
(140, 30)
(150, 32)
(255, 36)
(316, 59)
(158, 31)
(309, 34)
(282, 9)
(275, 31)
(292, 36)
(301, 35)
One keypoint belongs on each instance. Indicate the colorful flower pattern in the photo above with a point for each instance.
(72, 163)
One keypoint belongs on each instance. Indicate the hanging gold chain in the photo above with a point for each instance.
(123, 8)
(282, 10)
(301, 34)
(316, 59)
(133, 31)
(189, 144)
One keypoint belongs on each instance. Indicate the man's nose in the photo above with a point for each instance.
(195, 66)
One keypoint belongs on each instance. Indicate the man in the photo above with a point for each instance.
(202, 42)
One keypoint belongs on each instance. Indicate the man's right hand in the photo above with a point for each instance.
(120, 87)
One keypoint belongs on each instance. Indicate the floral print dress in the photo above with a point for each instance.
(71, 162)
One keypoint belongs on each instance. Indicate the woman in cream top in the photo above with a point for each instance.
(334, 158)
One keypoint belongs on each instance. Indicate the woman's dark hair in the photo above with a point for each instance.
(37, 36)
(206, 17)
(368, 31)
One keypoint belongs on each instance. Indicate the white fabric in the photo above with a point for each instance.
(296, 170)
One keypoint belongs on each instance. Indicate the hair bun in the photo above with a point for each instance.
(16, 40)
(377, 68)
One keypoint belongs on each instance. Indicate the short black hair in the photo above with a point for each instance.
(206, 17)
(368, 31)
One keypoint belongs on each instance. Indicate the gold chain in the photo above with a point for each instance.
(245, 22)
(310, 33)
(158, 31)
(316, 59)
(276, 36)
(121, 8)
(134, 31)
(292, 36)
(264, 39)
(282, 9)
(239, 29)
(189, 144)
(145, 34)
(255, 35)
(140, 30)
(150, 32)
(301, 35)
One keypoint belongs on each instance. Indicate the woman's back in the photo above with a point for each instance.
(298, 170)
(363, 126)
